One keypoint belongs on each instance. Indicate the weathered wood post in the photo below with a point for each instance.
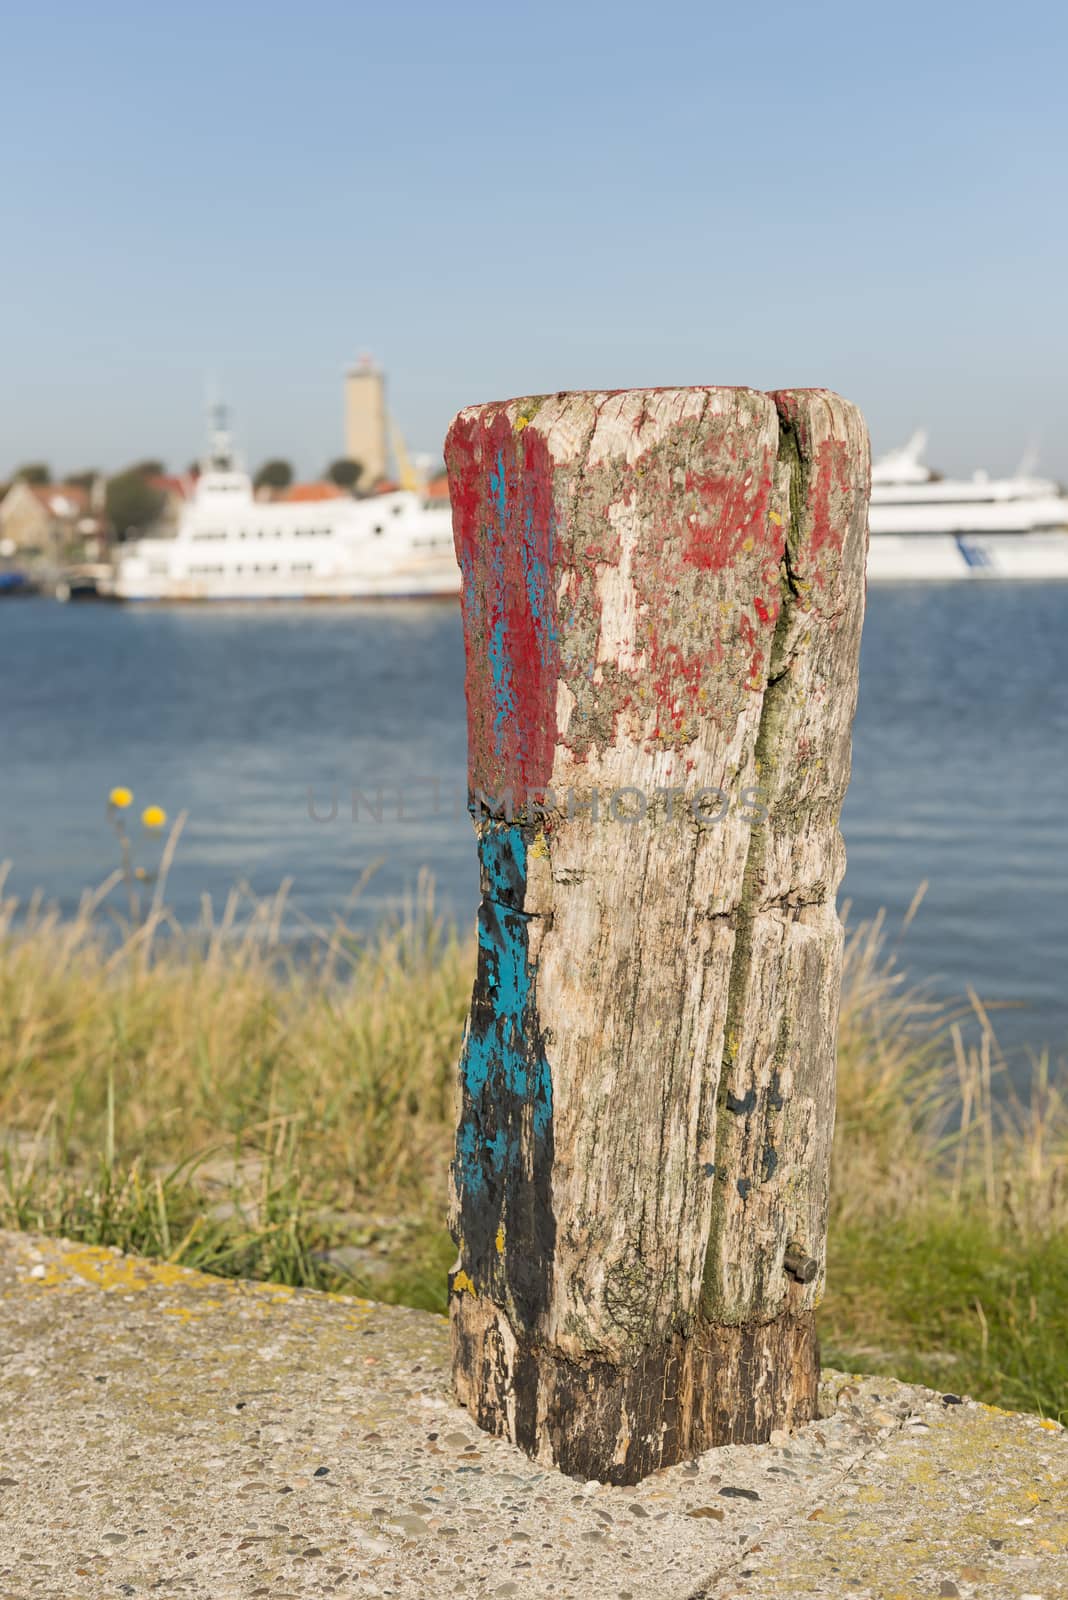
(662, 597)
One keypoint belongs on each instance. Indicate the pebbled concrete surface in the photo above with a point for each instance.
(166, 1433)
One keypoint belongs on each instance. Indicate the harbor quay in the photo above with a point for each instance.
(170, 1431)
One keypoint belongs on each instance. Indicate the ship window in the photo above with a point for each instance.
(397, 510)
(378, 528)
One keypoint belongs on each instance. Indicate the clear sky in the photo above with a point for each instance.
(498, 199)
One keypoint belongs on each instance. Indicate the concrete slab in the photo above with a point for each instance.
(166, 1433)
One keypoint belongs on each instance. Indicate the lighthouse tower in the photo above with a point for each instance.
(366, 439)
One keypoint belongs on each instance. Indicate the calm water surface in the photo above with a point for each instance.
(960, 768)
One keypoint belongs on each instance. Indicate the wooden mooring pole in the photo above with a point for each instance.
(662, 598)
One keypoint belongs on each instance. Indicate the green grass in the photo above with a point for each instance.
(948, 1301)
(208, 1101)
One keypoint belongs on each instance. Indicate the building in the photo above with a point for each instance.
(175, 489)
(366, 426)
(52, 522)
(312, 492)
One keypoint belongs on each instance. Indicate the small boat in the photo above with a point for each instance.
(230, 546)
(86, 580)
(928, 528)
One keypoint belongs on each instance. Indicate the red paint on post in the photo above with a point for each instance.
(830, 472)
(729, 511)
(501, 482)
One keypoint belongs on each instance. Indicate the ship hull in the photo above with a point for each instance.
(892, 558)
(948, 558)
(387, 586)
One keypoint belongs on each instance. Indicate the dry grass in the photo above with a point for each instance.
(156, 1080)
(949, 1208)
(926, 1118)
(210, 1098)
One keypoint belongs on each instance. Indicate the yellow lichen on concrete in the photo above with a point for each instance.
(64, 1266)
(74, 1266)
(191, 1313)
(960, 1487)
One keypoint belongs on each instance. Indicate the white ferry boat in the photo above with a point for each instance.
(925, 527)
(231, 546)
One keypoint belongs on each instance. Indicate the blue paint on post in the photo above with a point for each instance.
(499, 659)
(536, 571)
(504, 1142)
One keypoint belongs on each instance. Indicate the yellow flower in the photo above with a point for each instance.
(153, 816)
(120, 798)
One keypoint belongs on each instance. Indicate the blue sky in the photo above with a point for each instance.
(500, 199)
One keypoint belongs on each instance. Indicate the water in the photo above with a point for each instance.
(241, 716)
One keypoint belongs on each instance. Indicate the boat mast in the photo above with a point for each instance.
(220, 441)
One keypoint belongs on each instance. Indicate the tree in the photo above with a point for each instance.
(82, 480)
(274, 474)
(150, 468)
(34, 472)
(131, 502)
(345, 472)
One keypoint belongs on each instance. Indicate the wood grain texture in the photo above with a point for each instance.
(662, 595)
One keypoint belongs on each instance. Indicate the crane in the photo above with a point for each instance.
(408, 476)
